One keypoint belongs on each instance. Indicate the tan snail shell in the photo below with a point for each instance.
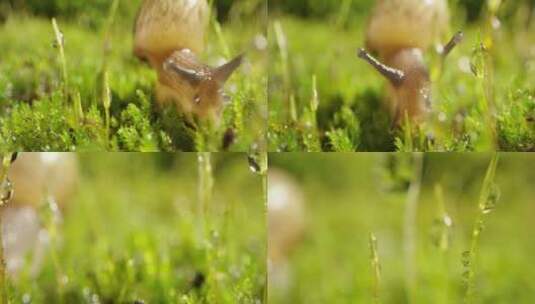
(405, 24)
(170, 35)
(286, 226)
(38, 179)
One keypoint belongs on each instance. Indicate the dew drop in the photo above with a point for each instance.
(466, 275)
(464, 64)
(257, 162)
(6, 192)
(260, 42)
(253, 164)
(95, 299)
(492, 200)
(447, 220)
(496, 23)
(487, 210)
(466, 257)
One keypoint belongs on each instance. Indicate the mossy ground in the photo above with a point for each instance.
(133, 232)
(36, 114)
(349, 196)
(352, 113)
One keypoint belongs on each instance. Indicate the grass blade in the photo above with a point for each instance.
(376, 268)
(409, 231)
(487, 203)
(6, 191)
(60, 44)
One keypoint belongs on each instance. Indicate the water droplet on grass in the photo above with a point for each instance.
(492, 200)
(6, 192)
(260, 42)
(257, 162)
(496, 23)
(466, 256)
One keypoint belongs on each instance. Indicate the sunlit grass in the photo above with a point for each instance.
(41, 79)
(336, 261)
(134, 231)
(352, 113)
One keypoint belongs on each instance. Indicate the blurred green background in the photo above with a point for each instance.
(358, 8)
(133, 232)
(91, 12)
(349, 196)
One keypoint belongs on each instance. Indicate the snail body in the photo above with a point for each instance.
(38, 179)
(412, 98)
(399, 32)
(170, 35)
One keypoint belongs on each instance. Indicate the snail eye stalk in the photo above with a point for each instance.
(454, 41)
(394, 75)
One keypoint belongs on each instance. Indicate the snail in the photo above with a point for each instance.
(399, 32)
(170, 35)
(286, 227)
(37, 178)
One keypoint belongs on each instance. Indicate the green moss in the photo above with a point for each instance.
(35, 115)
(461, 118)
(131, 233)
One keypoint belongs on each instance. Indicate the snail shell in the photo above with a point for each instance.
(286, 214)
(164, 26)
(286, 226)
(399, 24)
(170, 35)
(36, 177)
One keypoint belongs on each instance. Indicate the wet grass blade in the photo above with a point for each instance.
(487, 203)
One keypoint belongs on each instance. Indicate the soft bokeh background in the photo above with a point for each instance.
(319, 38)
(30, 79)
(90, 13)
(350, 195)
(133, 232)
(321, 9)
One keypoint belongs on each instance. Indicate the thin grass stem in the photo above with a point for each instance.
(265, 199)
(376, 269)
(221, 38)
(343, 13)
(206, 183)
(60, 44)
(441, 233)
(205, 191)
(106, 49)
(106, 45)
(5, 195)
(409, 230)
(282, 43)
(106, 102)
(488, 198)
